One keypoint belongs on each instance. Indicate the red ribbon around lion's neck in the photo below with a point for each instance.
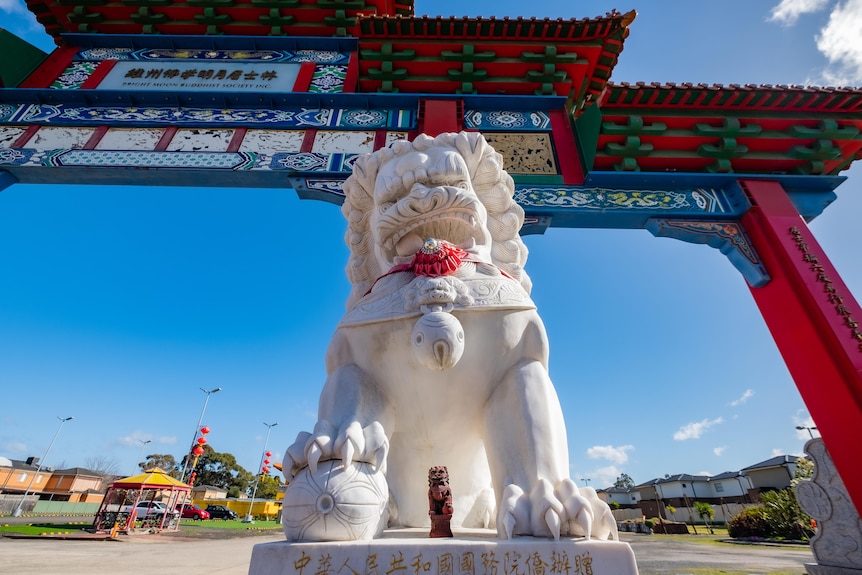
(435, 258)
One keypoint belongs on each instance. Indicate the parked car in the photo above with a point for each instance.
(221, 512)
(191, 511)
(147, 508)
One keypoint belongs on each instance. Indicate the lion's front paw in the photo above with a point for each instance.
(551, 511)
(351, 442)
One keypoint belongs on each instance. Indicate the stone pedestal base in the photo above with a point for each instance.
(815, 569)
(470, 552)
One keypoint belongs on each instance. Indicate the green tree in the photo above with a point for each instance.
(624, 481)
(705, 512)
(163, 461)
(267, 487)
(222, 470)
(804, 470)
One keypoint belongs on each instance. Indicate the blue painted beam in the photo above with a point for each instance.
(6, 180)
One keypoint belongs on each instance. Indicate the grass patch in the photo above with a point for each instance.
(45, 528)
(235, 524)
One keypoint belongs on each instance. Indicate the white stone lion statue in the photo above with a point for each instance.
(441, 359)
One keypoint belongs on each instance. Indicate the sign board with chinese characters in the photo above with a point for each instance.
(472, 552)
(223, 76)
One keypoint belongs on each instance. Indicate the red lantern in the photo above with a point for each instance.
(265, 469)
(268, 454)
(202, 440)
(266, 461)
(198, 450)
(205, 429)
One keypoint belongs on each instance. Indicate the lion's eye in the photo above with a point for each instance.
(384, 207)
(464, 185)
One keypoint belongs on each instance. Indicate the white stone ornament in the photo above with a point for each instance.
(337, 502)
(437, 362)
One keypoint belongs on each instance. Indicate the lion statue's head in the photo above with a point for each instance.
(451, 187)
(438, 475)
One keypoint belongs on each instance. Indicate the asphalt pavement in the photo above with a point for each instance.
(165, 554)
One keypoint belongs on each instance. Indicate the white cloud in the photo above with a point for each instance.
(695, 430)
(166, 440)
(15, 448)
(840, 42)
(776, 451)
(802, 419)
(787, 12)
(743, 398)
(719, 451)
(603, 476)
(614, 454)
(13, 6)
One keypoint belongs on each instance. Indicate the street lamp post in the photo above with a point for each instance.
(17, 512)
(801, 427)
(586, 481)
(141, 451)
(197, 427)
(248, 518)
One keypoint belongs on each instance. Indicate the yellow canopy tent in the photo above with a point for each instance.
(121, 502)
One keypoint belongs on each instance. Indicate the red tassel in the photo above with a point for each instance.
(437, 258)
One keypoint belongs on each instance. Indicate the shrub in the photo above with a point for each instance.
(785, 518)
(750, 522)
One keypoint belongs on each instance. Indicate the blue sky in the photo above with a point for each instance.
(117, 304)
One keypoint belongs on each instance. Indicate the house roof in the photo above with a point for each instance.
(78, 471)
(726, 475)
(617, 490)
(778, 461)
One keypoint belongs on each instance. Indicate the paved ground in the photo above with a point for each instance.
(172, 555)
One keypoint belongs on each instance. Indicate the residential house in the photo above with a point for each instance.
(19, 476)
(775, 473)
(625, 497)
(729, 487)
(75, 485)
(208, 492)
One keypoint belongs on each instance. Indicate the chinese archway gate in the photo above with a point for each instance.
(287, 93)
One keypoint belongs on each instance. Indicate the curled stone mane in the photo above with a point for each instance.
(493, 186)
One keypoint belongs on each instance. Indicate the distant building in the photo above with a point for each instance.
(775, 473)
(208, 492)
(626, 497)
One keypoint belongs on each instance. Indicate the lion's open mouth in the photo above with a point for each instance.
(454, 217)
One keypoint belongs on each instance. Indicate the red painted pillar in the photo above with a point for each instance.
(815, 321)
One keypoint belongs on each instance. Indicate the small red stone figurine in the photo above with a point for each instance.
(439, 501)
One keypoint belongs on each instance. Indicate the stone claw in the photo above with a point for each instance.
(295, 456)
(513, 516)
(577, 510)
(351, 441)
(546, 510)
(604, 524)
(319, 445)
(552, 511)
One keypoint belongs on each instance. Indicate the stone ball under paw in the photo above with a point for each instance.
(337, 503)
